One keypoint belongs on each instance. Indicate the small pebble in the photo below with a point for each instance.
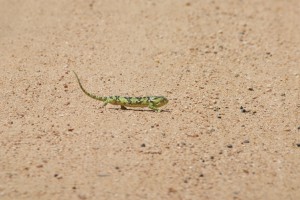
(229, 146)
(298, 145)
(143, 145)
(243, 110)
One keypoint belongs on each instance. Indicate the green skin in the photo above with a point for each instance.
(152, 102)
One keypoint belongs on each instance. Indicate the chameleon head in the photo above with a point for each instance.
(159, 101)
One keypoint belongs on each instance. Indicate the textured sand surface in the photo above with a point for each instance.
(231, 70)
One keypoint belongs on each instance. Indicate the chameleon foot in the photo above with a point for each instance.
(123, 108)
(152, 107)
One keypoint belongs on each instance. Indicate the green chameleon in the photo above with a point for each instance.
(152, 102)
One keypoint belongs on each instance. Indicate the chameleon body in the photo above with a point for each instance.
(152, 102)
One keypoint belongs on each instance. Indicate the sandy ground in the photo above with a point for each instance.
(229, 68)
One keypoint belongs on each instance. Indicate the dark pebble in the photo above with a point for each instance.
(229, 146)
(298, 145)
(246, 141)
(143, 145)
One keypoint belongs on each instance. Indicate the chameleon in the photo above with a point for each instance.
(152, 102)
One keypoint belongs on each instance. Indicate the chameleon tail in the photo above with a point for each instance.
(88, 94)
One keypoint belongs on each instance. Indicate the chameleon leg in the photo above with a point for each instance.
(123, 107)
(152, 107)
(105, 103)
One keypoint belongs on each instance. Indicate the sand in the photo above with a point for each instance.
(230, 70)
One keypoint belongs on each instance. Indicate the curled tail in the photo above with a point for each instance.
(88, 94)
